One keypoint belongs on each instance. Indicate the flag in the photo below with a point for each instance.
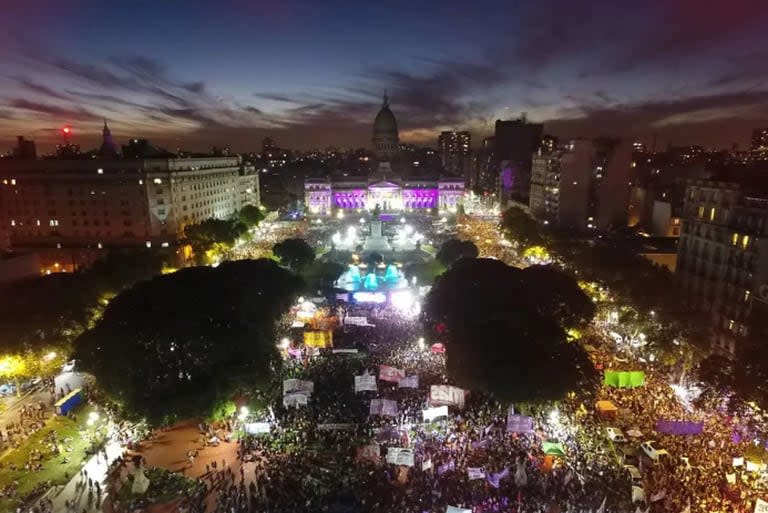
(475, 473)
(495, 479)
(445, 467)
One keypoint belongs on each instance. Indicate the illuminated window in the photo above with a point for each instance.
(100, 171)
(745, 241)
(746, 295)
(157, 180)
(730, 324)
(13, 222)
(712, 213)
(734, 239)
(701, 212)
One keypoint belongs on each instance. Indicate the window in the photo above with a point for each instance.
(712, 213)
(746, 295)
(734, 239)
(701, 212)
(745, 241)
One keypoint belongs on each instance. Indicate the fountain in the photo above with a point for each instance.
(371, 282)
(376, 241)
(392, 274)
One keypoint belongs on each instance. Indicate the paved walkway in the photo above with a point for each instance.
(96, 467)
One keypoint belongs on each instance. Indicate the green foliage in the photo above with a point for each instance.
(501, 338)
(250, 216)
(48, 312)
(179, 344)
(213, 234)
(557, 295)
(294, 253)
(520, 227)
(454, 249)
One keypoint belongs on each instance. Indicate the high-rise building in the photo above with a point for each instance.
(515, 143)
(583, 185)
(722, 258)
(108, 147)
(484, 173)
(759, 147)
(455, 153)
(548, 143)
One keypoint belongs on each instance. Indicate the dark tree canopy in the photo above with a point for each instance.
(557, 295)
(320, 275)
(454, 249)
(294, 253)
(521, 227)
(500, 339)
(250, 216)
(177, 344)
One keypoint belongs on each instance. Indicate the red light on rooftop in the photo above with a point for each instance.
(67, 130)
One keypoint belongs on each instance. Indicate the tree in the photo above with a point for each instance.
(557, 295)
(177, 345)
(212, 232)
(320, 275)
(454, 249)
(521, 228)
(424, 272)
(499, 339)
(251, 216)
(294, 253)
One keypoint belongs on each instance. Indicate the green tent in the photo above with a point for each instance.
(624, 379)
(553, 448)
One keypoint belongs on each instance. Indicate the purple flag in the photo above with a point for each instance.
(495, 479)
(445, 467)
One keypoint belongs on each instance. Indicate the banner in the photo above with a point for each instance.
(426, 465)
(447, 395)
(445, 467)
(624, 379)
(256, 428)
(296, 353)
(730, 478)
(454, 509)
(295, 400)
(356, 321)
(495, 479)
(384, 407)
(370, 452)
(345, 351)
(761, 506)
(387, 373)
(409, 382)
(679, 427)
(756, 467)
(475, 473)
(318, 338)
(738, 462)
(330, 426)
(400, 456)
(431, 414)
(365, 382)
(291, 386)
(553, 448)
(438, 348)
(638, 494)
(519, 424)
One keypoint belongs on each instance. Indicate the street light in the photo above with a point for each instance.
(244, 412)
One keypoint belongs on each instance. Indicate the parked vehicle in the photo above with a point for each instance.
(615, 435)
(653, 451)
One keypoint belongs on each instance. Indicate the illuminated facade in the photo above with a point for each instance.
(383, 189)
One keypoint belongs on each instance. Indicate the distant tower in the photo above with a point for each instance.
(385, 137)
(108, 148)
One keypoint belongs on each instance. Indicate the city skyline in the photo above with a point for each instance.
(312, 75)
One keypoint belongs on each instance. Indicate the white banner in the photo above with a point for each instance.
(454, 509)
(426, 465)
(295, 400)
(400, 456)
(761, 506)
(756, 467)
(365, 382)
(356, 321)
(431, 414)
(298, 386)
(256, 428)
(738, 462)
(336, 427)
(448, 395)
(409, 382)
(475, 473)
(344, 351)
(385, 407)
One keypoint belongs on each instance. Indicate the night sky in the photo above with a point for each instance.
(191, 74)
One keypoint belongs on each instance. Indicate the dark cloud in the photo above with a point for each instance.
(35, 87)
(51, 110)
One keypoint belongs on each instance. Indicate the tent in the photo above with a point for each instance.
(624, 379)
(553, 448)
(606, 410)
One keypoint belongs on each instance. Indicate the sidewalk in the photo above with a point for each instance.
(97, 470)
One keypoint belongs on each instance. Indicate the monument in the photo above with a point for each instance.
(375, 240)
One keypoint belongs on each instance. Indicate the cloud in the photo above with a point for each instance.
(50, 110)
(35, 87)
